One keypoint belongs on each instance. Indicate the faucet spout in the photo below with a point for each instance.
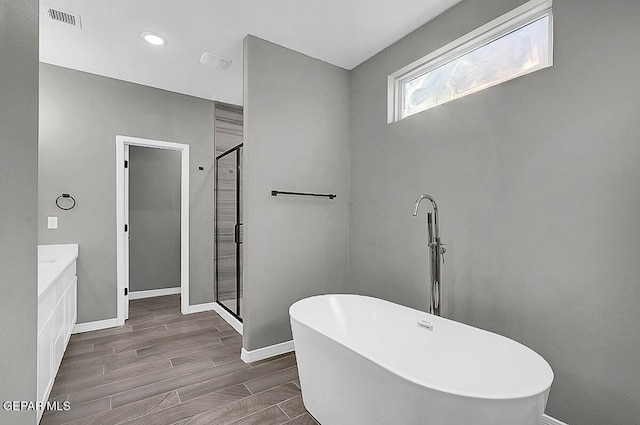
(435, 211)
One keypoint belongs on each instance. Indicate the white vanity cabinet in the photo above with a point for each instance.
(57, 310)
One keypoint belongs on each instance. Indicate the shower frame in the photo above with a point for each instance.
(236, 237)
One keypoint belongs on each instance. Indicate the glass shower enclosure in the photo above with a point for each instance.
(228, 231)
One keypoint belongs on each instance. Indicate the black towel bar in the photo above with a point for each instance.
(319, 195)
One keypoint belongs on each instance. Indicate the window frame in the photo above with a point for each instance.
(486, 34)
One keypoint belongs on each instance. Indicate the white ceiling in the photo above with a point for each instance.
(342, 32)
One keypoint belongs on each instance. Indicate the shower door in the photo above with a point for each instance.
(228, 231)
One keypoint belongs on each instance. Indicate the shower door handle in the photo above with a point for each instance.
(236, 233)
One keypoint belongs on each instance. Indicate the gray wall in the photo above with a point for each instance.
(154, 218)
(18, 191)
(537, 182)
(296, 138)
(80, 116)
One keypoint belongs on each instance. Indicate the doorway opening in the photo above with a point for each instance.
(123, 226)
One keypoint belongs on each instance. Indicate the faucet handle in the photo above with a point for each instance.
(443, 250)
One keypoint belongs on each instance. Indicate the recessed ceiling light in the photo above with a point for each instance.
(152, 38)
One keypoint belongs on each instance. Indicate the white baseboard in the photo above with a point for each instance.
(548, 420)
(199, 308)
(95, 326)
(228, 317)
(137, 295)
(266, 352)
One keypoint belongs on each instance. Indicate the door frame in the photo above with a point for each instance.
(122, 263)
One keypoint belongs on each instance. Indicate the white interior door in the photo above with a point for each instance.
(126, 231)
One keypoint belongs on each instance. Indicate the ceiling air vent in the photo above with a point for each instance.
(59, 15)
(215, 61)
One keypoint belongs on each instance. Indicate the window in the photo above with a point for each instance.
(510, 46)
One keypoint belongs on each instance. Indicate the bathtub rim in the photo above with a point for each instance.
(536, 391)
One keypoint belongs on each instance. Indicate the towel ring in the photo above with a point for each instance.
(65, 196)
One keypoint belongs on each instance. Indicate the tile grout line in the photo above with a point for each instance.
(121, 369)
(305, 413)
(290, 398)
(275, 373)
(240, 399)
(177, 391)
(159, 382)
(282, 410)
(250, 414)
(131, 377)
(244, 384)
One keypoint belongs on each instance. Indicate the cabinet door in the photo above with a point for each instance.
(58, 319)
(70, 308)
(45, 358)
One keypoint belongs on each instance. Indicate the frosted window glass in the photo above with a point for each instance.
(517, 53)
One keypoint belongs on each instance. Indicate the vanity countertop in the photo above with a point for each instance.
(53, 260)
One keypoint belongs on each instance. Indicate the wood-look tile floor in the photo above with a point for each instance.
(164, 368)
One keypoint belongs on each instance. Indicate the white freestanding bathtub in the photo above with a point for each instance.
(365, 361)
